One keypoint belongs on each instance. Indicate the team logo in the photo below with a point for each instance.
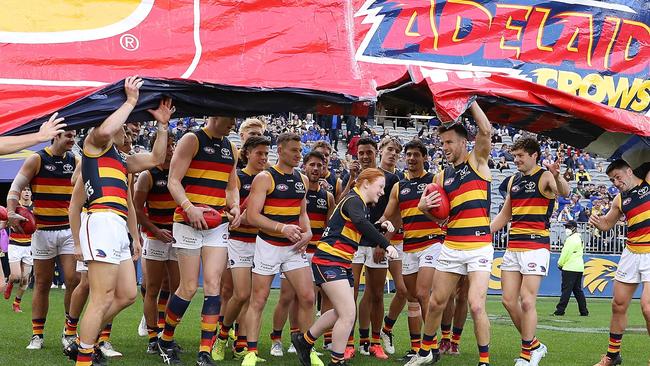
(247, 187)
(232, 262)
(543, 269)
(68, 168)
(530, 186)
(598, 273)
(448, 181)
(627, 201)
(405, 191)
(329, 275)
(208, 150)
(300, 186)
(225, 152)
(515, 189)
(429, 257)
(282, 187)
(49, 167)
(532, 265)
(161, 183)
(100, 253)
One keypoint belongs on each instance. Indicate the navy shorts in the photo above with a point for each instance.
(323, 274)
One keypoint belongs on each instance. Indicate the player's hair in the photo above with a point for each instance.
(250, 144)
(370, 175)
(459, 128)
(252, 122)
(313, 154)
(416, 144)
(286, 137)
(527, 144)
(617, 164)
(322, 144)
(367, 141)
(390, 140)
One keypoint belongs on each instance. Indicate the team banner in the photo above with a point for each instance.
(597, 280)
(598, 50)
(326, 56)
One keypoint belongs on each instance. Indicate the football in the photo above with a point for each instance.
(441, 212)
(3, 214)
(212, 217)
(28, 225)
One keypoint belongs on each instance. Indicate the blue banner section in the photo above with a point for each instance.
(597, 281)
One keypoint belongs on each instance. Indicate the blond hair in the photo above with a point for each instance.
(252, 122)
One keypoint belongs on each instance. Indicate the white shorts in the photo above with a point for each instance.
(425, 258)
(47, 244)
(465, 261)
(271, 259)
(310, 256)
(363, 255)
(188, 237)
(400, 253)
(528, 262)
(104, 238)
(156, 250)
(19, 253)
(82, 266)
(633, 267)
(240, 254)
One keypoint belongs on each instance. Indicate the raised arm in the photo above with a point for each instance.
(143, 161)
(483, 136)
(102, 135)
(47, 132)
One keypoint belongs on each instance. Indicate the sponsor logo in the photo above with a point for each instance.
(543, 269)
(225, 152)
(299, 186)
(208, 150)
(49, 167)
(429, 257)
(281, 187)
(68, 169)
(100, 253)
(232, 262)
(321, 203)
(530, 186)
(643, 192)
(405, 191)
(422, 187)
(532, 265)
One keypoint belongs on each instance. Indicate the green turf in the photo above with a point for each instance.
(582, 346)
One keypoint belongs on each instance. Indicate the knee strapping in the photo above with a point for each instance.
(414, 309)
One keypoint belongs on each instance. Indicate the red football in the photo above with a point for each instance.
(212, 217)
(442, 211)
(3, 214)
(29, 225)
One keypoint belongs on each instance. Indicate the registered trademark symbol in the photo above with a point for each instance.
(129, 42)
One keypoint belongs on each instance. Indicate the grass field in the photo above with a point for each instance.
(572, 340)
